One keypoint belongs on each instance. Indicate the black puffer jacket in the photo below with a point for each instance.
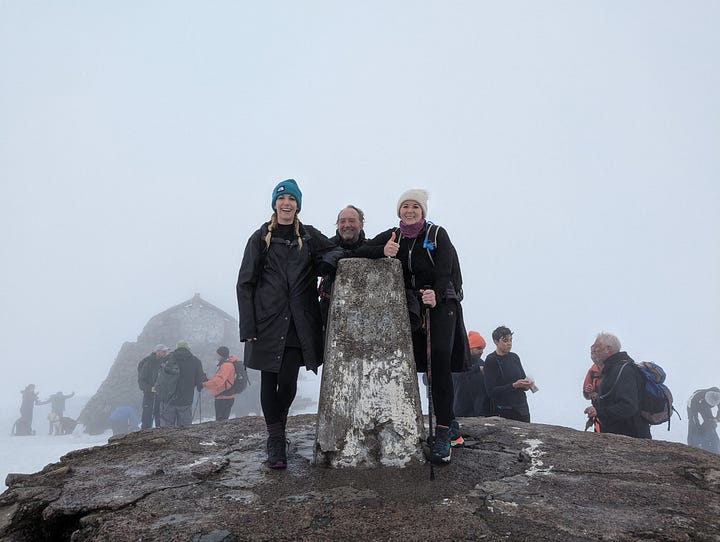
(419, 271)
(618, 405)
(277, 286)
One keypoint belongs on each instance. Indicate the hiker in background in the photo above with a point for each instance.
(703, 434)
(471, 398)
(591, 388)
(280, 320)
(57, 409)
(617, 406)
(179, 375)
(222, 382)
(505, 379)
(124, 419)
(23, 426)
(349, 235)
(147, 374)
(428, 263)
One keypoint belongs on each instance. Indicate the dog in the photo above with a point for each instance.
(61, 425)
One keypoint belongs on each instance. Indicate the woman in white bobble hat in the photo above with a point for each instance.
(430, 264)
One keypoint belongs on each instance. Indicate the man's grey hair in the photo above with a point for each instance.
(361, 215)
(608, 339)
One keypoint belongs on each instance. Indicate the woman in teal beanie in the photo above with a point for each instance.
(280, 321)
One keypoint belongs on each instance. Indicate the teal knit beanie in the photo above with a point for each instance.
(288, 186)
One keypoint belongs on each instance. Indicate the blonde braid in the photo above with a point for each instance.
(297, 232)
(271, 227)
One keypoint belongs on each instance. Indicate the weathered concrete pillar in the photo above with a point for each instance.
(369, 408)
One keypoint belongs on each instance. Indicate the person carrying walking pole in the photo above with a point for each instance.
(431, 272)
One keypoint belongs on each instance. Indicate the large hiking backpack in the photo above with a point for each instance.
(241, 379)
(430, 244)
(167, 379)
(656, 401)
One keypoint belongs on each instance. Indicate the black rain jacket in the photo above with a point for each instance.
(618, 404)
(278, 285)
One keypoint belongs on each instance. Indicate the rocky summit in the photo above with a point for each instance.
(512, 481)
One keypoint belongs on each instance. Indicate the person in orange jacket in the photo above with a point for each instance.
(222, 382)
(591, 387)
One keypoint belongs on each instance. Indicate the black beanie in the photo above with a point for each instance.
(224, 351)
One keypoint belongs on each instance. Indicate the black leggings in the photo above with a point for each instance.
(277, 390)
(442, 335)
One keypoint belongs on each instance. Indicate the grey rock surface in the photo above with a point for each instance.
(369, 409)
(513, 481)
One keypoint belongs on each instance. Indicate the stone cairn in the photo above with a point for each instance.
(369, 412)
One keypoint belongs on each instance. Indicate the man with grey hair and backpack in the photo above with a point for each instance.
(617, 406)
(147, 374)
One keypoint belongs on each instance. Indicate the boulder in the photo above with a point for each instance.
(512, 481)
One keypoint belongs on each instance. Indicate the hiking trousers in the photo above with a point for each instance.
(172, 415)
(223, 408)
(150, 410)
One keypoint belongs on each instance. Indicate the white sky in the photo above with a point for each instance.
(570, 149)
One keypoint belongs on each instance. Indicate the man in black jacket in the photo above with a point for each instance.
(617, 406)
(147, 373)
(349, 235)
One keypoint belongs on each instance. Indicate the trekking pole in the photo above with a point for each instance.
(429, 390)
(195, 408)
(200, 404)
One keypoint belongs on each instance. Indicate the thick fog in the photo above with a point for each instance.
(569, 148)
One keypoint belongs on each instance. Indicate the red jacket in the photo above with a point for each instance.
(223, 379)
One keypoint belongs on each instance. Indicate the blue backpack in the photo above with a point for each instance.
(656, 401)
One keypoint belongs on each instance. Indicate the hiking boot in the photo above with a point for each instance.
(441, 450)
(456, 438)
(276, 452)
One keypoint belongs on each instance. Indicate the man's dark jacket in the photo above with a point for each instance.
(148, 371)
(618, 402)
(326, 283)
(191, 377)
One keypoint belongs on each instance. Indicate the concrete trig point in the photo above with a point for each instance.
(369, 412)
